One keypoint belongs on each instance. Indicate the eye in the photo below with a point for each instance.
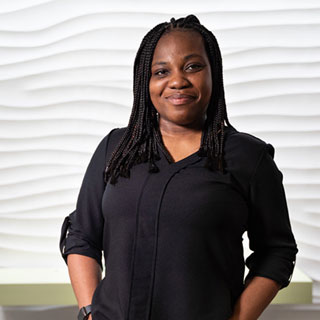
(160, 72)
(193, 66)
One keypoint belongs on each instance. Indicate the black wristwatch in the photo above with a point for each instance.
(84, 312)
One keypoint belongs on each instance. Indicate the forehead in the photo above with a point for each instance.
(179, 42)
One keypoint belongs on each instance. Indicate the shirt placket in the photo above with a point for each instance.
(146, 238)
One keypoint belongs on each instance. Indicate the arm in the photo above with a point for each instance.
(258, 293)
(269, 230)
(85, 275)
(270, 238)
(82, 231)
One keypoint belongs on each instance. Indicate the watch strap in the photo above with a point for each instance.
(84, 312)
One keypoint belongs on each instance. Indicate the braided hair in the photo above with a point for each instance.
(142, 137)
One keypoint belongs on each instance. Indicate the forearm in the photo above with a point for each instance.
(257, 295)
(85, 274)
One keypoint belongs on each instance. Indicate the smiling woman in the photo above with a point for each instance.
(180, 90)
(168, 198)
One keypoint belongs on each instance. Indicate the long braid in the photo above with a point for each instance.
(142, 138)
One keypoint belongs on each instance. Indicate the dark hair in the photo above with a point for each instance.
(142, 136)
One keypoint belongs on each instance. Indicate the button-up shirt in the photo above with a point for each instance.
(172, 240)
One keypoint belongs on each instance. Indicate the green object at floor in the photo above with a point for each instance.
(47, 286)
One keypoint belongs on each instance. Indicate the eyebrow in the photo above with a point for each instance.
(192, 55)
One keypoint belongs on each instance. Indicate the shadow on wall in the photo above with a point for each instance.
(273, 312)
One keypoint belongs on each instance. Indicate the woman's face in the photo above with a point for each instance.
(181, 85)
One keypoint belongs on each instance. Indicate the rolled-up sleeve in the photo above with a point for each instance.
(269, 230)
(82, 230)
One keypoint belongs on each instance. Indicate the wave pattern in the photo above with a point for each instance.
(66, 81)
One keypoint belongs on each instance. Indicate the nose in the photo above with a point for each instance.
(178, 80)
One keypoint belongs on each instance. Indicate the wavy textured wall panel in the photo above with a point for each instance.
(66, 81)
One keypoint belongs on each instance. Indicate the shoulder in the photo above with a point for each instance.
(243, 144)
(241, 139)
(117, 133)
(113, 137)
(109, 142)
(243, 150)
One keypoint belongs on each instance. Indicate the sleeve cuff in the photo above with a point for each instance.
(273, 267)
(78, 246)
(72, 243)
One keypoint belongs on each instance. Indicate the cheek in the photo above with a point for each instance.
(155, 91)
(207, 83)
(155, 88)
(206, 89)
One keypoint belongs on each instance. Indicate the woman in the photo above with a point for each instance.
(180, 189)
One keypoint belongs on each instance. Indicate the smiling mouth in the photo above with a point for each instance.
(179, 99)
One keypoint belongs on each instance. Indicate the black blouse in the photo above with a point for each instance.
(172, 240)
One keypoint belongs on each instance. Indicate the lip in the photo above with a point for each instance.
(178, 98)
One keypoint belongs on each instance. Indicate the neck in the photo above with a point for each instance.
(171, 129)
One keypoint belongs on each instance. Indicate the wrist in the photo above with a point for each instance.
(84, 313)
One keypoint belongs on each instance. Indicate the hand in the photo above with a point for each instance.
(90, 318)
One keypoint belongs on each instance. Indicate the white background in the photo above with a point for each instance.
(66, 81)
